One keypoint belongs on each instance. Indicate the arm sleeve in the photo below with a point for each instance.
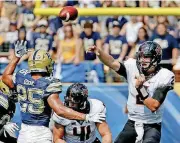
(122, 70)
(160, 93)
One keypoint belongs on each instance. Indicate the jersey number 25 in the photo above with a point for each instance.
(27, 100)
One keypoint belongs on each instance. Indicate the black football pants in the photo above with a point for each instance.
(7, 139)
(152, 133)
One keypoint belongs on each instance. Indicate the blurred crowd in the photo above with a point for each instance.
(67, 42)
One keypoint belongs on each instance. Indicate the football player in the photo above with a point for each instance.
(7, 109)
(75, 131)
(38, 92)
(148, 87)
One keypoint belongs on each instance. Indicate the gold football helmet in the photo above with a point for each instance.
(4, 88)
(40, 61)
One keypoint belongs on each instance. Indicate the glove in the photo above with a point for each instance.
(20, 48)
(10, 128)
(96, 117)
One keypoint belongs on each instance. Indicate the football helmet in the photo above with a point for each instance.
(151, 50)
(4, 88)
(40, 61)
(76, 97)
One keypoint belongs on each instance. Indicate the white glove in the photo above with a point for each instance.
(96, 117)
(20, 48)
(10, 128)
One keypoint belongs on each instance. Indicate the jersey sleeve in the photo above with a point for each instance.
(82, 35)
(168, 79)
(124, 40)
(174, 43)
(107, 40)
(97, 36)
(51, 42)
(32, 43)
(60, 120)
(97, 106)
(55, 86)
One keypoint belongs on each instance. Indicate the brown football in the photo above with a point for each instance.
(68, 13)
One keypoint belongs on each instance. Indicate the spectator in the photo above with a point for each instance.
(92, 19)
(12, 35)
(9, 9)
(169, 46)
(116, 44)
(142, 37)
(9, 37)
(27, 18)
(42, 40)
(88, 38)
(109, 22)
(54, 24)
(21, 37)
(131, 29)
(67, 46)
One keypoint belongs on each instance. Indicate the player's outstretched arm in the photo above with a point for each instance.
(154, 102)
(20, 50)
(105, 58)
(8, 73)
(63, 111)
(104, 132)
(58, 133)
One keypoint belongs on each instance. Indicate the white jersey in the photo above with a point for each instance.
(81, 131)
(137, 110)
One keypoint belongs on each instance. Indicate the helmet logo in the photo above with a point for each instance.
(38, 57)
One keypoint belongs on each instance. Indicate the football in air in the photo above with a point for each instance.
(68, 13)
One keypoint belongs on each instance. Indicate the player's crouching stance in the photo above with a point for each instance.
(38, 93)
(7, 109)
(75, 131)
(148, 86)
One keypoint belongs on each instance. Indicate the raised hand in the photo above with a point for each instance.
(93, 49)
(20, 48)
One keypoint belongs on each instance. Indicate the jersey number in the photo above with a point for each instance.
(34, 105)
(139, 98)
(84, 132)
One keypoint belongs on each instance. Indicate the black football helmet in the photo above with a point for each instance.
(148, 49)
(77, 95)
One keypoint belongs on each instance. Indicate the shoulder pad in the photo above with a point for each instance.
(54, 86)
(22, 72)
(4, 101)
(167, 77)
(60, 120)
(97, 106)
(130, 63)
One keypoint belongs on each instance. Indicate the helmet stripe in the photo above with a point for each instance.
(35, 53)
